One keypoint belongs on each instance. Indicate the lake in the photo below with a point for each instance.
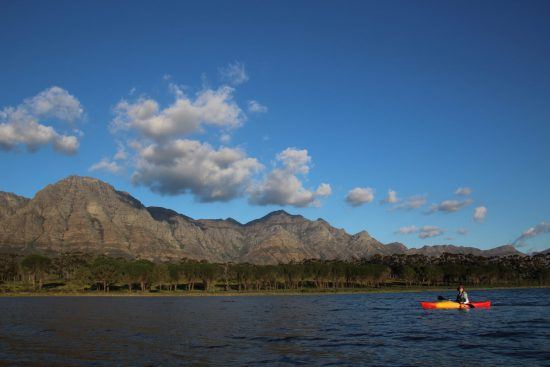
(352, 330)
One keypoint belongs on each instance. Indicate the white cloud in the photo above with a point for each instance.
(183, 166)
(423, 232)
(295, 160)
(407, 230)
(234, 73)
(410, 203)
(55, 103)
(359, 196)
(105, 165)
(116, 164)
(177, 90)
(323, 190)
(121, 154)
(225, 138)
(282, 185)
(449, 206)
(20, 125)
(539, 229)
(282, 188)
(256, 107)
(391, 198)
(463, 191)
(462, 231)
(184, 116)
(169, 163)
(480, 213)
(429, 232)
(66, 144)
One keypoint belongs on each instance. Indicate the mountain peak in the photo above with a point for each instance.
(234, 221)
(277, 215)
(278, 212)
(81, 180)
(78, 183)
(504, 250)
(362, 233)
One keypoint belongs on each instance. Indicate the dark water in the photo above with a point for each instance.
(351, 330)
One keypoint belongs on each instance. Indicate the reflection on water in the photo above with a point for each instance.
(376, 329)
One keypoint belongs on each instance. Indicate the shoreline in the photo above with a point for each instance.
(293, 293)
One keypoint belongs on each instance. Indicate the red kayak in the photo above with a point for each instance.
(455, 305)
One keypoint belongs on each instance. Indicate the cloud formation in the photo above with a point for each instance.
(295, 160)
(256, 107)
(480, 213)
(167, 161)
(21, 125)
(407, 230)
(449, 206)
(282, 185)
(391, 198)
(234, 73)
(463, 191)
(105, 165)
(121, 153)
(410, 203)
(184, 116)
(462, 231)
(359, 196)
(188, 166)
(539, 229)
(323, 190)
(423, 232)
(429, 232)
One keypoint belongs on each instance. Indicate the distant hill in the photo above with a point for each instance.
(438, 250)
(86, 214)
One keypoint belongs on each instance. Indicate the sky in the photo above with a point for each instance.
(423, 122)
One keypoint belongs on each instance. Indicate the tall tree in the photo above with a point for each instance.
(37, 266)
(105, 271)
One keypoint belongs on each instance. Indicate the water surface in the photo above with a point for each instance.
(352, 330)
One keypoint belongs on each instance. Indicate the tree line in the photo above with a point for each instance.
(85, 272)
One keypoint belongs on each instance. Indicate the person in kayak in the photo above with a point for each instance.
(462, 296)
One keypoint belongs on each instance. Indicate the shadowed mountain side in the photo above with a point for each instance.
(86, 214)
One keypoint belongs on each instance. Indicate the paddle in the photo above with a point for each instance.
(441, 298)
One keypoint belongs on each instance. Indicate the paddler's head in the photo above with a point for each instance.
(460, 288)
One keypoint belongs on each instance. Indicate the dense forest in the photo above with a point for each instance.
(71, 272)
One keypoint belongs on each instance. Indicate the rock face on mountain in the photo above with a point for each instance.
(86, 214)
(9, 203)
(81, 213)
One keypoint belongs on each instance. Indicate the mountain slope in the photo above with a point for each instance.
(9, 203)
(80, 213)
(86, 214)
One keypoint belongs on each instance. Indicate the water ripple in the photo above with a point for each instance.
(332, 330)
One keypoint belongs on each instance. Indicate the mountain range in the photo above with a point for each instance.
(87, 214)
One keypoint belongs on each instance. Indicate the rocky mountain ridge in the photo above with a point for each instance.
(86, 214)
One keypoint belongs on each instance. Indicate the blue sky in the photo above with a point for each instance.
(234, 109)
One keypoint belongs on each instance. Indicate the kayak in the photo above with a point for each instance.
(454, 305)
